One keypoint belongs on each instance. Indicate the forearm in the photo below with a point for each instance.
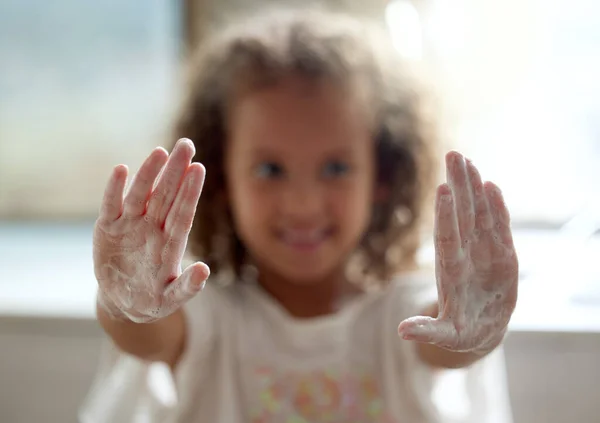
(162, 340)
(442, 358)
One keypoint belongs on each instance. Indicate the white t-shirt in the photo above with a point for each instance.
(248, 361)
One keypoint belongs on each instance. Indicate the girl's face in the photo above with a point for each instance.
(300, 164)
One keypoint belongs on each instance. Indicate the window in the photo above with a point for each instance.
(519, 82)
(520, 91)
(83, 86)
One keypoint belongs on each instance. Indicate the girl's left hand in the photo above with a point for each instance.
(476, 265)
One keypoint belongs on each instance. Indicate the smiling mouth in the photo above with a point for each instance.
(305, 240)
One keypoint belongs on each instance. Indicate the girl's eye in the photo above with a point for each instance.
(269, 170)
(335, 168)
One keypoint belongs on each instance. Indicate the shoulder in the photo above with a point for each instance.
(405, 295)
(413, 287)
(215, 300)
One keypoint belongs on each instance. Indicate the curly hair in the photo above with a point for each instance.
(319, 46)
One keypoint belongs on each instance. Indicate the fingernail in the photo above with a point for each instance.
(187, 141)
(206, 269)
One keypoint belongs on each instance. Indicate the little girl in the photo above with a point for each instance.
(319, 163)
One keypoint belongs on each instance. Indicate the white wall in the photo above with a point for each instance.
(46, 367)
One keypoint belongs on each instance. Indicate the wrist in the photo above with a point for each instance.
(109, 308)
(491, 344)
(117, 314)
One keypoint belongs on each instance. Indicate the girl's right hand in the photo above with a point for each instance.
(140, 237)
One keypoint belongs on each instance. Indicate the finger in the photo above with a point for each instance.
(446, 233)
(181, 216)
(112, 203)
(141, 186)
(483, 217)
(450, 266)
(163, 195)
(500, 214)
(458, 181)
(427, 329)
(188, 284)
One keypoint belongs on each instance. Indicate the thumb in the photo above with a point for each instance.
(426, 329)
(188, 284)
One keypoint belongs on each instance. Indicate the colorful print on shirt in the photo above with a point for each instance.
(324, 396)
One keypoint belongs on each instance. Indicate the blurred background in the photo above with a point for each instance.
(86, 85)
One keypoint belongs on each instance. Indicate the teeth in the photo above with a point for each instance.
(303, 237)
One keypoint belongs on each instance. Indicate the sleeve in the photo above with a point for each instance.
(129, 390)
(410, 296)
(411, 379)
(476, 394)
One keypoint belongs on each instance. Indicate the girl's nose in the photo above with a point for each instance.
(303, 200)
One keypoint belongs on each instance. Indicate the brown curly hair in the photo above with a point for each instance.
(319, 46)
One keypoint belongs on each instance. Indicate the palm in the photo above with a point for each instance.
(139, 240)
(476, 265)
(135, 257)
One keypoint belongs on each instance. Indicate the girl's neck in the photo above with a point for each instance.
(309, 299)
